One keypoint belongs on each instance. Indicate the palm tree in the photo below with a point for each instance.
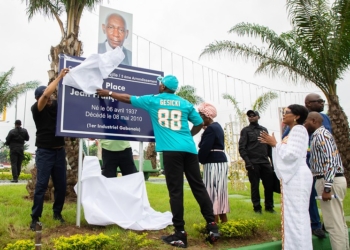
(240, 114)
(188, 93)
(69, 45)
(260, 105)
(316, 50)
(237, 168)
(9, 92)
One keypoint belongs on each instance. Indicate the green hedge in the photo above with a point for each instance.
(234, 228)
(21, 245)
(8, 176)
(127, 241)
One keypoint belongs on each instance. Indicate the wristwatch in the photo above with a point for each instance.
(327, 189)
(110, 93)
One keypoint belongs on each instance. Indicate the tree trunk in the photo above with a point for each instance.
(73, 47)
(151, 154)
(340, 127)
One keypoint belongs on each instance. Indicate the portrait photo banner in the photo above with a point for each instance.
(91, 116)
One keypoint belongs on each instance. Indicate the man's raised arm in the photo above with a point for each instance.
(120, 97)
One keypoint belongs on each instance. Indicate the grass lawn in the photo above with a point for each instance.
(15, 211)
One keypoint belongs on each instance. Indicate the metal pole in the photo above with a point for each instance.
(25, 106)
(141, 156)
(80, 166)
(16, 109)
(38, 230)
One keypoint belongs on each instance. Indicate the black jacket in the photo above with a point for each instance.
(212, 138)
(16, 137)
(251, 149)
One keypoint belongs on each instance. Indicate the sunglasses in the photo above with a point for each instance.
(319, 101)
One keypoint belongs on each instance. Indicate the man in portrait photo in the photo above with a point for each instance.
(115, 31)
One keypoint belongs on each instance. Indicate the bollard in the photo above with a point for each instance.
(38, 228)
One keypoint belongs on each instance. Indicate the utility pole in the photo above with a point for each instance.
(25, 106)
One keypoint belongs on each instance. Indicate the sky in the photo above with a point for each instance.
(183, 27)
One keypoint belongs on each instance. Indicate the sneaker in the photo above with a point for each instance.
(177, 239)
(213, 232)
(59, 218)
(319, 233)
(270, 210)
(33, 223)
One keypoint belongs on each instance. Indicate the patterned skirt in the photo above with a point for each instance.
(215, 181)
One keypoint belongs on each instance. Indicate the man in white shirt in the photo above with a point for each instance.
(116, 32)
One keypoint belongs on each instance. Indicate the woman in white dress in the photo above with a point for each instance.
(289, 158)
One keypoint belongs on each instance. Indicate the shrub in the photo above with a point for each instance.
(21, 245)
(9, 176)
(81, 242)
(5, 170)
(240, 228)
(130, 241)
(234, 228)
(3, 155)
(27, 158)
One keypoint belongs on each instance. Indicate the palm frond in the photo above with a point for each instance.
(316, 50)
(264, 100)
(9, 92)
(48, 8)
(233, 49)
(238, 112)
(188, 93)
(265, 34)
(341, 38)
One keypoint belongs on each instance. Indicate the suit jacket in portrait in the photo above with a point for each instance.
(128, 54)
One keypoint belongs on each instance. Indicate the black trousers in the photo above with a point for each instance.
(16, 158)
(265, 173)
(50, 162)
(175, 165)
(113, 159)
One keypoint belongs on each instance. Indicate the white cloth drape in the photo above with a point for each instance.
(122, 201)
(88, 76)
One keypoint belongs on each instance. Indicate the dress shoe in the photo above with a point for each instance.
(319, 233)
(270, 210)
(14, 181)
(258, 211)
(33, 223)
(59, 218)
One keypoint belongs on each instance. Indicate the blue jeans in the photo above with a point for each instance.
(50, 162)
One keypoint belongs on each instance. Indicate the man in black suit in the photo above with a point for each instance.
(258, 158)
(15, 139)
(116, 32)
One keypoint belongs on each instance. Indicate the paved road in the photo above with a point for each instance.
(7, 182)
